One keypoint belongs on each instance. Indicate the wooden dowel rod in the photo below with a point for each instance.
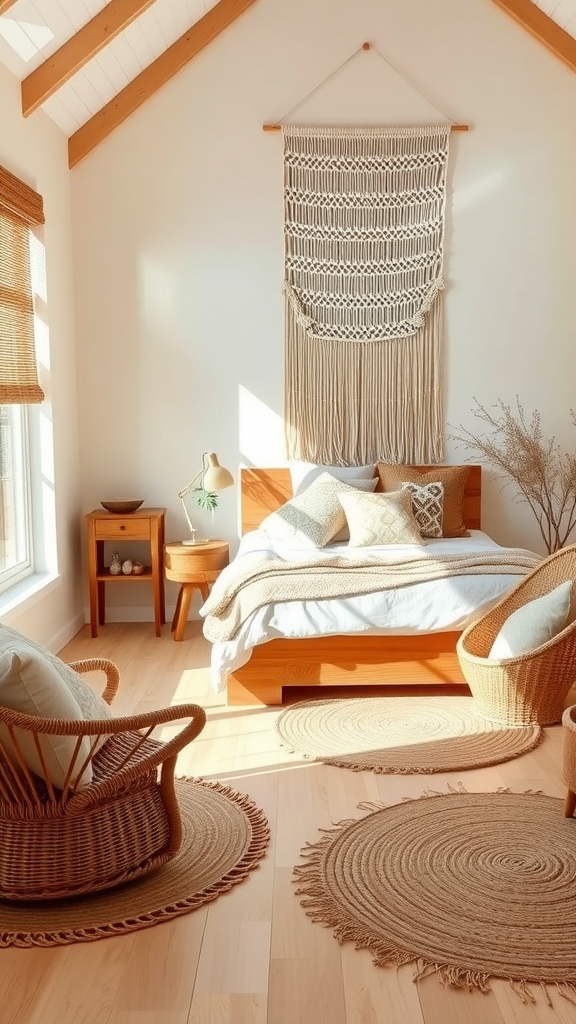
(277, 127)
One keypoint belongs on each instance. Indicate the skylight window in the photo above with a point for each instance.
(24, 37)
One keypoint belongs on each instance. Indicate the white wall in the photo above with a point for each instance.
(36, 151)
(178, 246)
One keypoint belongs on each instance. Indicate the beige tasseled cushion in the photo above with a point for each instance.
(380, 519)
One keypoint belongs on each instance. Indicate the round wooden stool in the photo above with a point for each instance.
(192, 566)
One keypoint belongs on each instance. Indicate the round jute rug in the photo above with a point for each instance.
(401, 734)
(224, 836)
(470, 885)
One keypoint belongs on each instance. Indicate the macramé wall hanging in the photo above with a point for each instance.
(364, 215)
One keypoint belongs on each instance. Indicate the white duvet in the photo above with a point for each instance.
(429, 607)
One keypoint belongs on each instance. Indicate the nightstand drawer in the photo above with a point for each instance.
(122, 529)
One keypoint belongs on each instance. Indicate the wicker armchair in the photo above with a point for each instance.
(569, 759)
(530, 688)
(60, 843)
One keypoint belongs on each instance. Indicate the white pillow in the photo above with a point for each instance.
(384, 518)
(35, 682)
(312, 518)
(304, 473)
(534, 623)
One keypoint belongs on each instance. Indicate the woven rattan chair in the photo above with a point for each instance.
(60, 843)
(569, 759)
(530, 688)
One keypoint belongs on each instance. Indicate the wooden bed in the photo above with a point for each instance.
(361, 660)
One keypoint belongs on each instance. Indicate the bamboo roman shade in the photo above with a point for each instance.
(20, 208)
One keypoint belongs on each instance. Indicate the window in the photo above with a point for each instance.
(20, 209)
(15, 546)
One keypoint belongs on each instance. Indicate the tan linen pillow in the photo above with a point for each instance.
(312, 518)
(534, 624)
(453, 478)
(380, 519)
(30, 685)
(36, 682)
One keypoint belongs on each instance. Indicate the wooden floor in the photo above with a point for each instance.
(252, 956)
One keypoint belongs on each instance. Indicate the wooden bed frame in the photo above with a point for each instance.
(360, 660)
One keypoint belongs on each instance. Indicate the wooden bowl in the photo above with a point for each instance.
(123, 507)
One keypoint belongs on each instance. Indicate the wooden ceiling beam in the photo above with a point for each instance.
(77, 51)
(5, 4)
(153, 77)
(543, 28)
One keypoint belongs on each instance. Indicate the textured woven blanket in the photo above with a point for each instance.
(245, 586)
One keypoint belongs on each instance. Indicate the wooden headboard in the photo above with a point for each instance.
(264, 490)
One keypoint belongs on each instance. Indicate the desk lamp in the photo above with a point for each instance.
(213, 477)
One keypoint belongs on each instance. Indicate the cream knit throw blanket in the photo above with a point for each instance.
(244, 587)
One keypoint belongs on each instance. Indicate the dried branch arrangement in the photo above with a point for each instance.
(544, 475)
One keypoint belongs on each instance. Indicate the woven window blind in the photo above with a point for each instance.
(20, 208)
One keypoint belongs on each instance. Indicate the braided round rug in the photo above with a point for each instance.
(467, 885)
(225, 835)
(401, 734)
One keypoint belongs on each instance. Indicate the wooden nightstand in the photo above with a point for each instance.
(145, 524)
(193, 566)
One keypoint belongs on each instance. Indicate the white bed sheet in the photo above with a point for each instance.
(429, 607)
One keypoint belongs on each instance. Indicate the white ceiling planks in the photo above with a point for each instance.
(561, 11)
(119, 63)
(33, 31)
(30, 32)
(135, 45)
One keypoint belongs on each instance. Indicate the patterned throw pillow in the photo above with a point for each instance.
(427, 506)
(380, 519)
(343, 536)
(312, 518)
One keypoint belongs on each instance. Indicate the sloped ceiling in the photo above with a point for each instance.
(89, 64)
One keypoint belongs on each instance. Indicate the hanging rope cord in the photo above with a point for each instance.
(362, 49)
